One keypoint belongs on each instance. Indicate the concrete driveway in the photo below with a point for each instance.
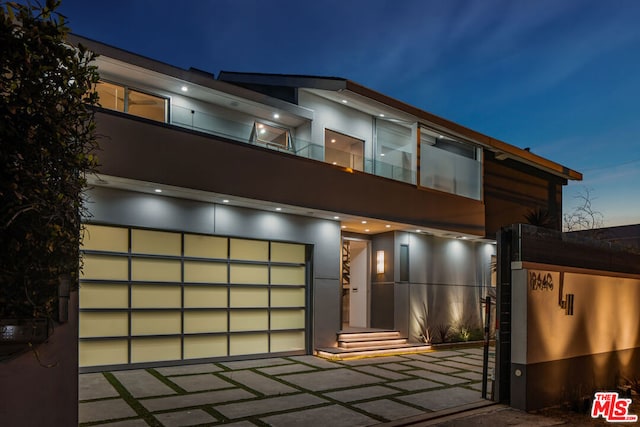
(286, 391)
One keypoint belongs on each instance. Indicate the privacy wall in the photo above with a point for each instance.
(575, 330)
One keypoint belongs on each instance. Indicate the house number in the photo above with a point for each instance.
(540, 281)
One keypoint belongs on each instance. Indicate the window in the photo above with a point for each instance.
(121, 98)
(395, 147)
(271, 136)
(449, 165)
(343, 150)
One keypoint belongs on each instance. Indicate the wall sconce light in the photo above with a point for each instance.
(380, 262)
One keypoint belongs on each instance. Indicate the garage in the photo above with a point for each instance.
(155, 297)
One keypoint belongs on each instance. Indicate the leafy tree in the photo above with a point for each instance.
(47, 137)
(584, 216)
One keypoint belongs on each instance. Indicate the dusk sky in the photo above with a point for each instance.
(559, 76)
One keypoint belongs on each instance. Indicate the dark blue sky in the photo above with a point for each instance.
(559, 76)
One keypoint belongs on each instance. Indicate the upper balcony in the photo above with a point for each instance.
(383, 145)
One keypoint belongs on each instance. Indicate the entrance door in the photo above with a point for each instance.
(355, 284)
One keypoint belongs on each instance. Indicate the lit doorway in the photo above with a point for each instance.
(355, 283)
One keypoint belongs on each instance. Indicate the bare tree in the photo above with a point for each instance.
(583, 216)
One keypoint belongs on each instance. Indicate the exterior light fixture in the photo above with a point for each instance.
(380, 262)
(276, 115)
(344, 226)
(157, 190)
(344, 101)
(225, 201)
(418, 231)
(387, 226)
(381, 115)
(333, 141)
(336, 217)
(278, 209)
(364, 222)
(366, 230)
(381, 154)
(184, 88)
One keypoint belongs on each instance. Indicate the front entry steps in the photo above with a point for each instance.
(368, 343)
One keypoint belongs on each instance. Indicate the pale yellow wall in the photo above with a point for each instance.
(605, 316)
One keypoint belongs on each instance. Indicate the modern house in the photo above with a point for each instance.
(255, 214)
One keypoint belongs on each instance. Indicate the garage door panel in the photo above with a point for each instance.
(150, 296)
(155, 323)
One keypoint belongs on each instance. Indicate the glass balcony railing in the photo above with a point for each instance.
(241, 132)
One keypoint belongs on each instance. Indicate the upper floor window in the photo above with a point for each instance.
(450, 165)
(122, 98)
(271, 136)
(343, 150)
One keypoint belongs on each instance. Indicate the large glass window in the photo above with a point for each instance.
(449, 165)
(343, 150)
(395, 145)
(121, 98)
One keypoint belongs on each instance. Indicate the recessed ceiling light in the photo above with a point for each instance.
(157, 190)
(336, 217)
(276, 115)
(381, 154)
(364, 222)
(381, 115)
(344, 226)
(260, 126)
(344, 101)
(225, 201)
(263, 130)
(278, 209)
(440, 136)
(418, 231)
(366, 229)
(184, 88)
(387, 226)
(334, 163)
(333, 141)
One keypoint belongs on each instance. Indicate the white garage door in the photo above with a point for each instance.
(151, 296)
